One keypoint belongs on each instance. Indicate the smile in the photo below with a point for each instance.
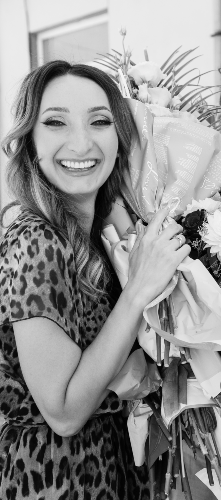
(75, 165)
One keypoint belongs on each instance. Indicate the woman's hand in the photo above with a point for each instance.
(155, 257)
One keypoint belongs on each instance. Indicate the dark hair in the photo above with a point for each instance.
(35, 193)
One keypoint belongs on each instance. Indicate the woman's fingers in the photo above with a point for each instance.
(155, 226)
(178, 241)
(183, 252)
(140, 232)
(171, 231)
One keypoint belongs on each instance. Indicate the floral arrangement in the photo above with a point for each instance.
(160, 88)
(175, 160)
(202, 228)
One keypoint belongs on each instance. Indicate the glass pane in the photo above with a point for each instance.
(77, 46)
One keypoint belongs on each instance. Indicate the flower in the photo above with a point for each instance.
(160, 96)
(146, 72)
(209, 204)
(194, 220)
(175, 102)
(143, 94)
(211, 233)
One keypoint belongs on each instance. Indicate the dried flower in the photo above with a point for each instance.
(123, 32)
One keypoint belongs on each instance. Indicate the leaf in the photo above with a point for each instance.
(131, 62)
(165, 82)
(169, 58)
(100, 61)
(198, 92)
(178, 60)
(178, 79)
(111, 58)
(211, 111)
(194, 78)
(158, 443)
(203, 99)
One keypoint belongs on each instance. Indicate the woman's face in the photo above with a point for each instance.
(75, 136)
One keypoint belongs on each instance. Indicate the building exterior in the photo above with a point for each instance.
(35, 31)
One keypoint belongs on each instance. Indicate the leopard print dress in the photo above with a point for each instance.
(37, 278)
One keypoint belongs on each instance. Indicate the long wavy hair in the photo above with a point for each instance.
(35, 193)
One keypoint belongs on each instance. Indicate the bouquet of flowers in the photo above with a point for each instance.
(175, 159)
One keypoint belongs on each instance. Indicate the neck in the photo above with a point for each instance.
(86, 208)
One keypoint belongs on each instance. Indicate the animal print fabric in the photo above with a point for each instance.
(37, 278)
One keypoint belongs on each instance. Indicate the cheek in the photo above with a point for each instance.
(112, 147)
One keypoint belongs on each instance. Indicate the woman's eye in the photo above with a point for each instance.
(53, 123)
(102, 122)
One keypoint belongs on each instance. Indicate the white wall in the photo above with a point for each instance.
(46, 13)
(14, 65)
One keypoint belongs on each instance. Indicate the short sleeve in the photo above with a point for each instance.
(38, 278)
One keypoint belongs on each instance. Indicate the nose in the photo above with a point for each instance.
(80, 141)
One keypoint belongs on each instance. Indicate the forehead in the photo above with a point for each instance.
(73, 91)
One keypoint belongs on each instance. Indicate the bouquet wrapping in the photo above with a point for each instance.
(173, 159)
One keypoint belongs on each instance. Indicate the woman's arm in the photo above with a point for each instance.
(68, 385)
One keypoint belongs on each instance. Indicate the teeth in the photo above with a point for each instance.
(76, 164)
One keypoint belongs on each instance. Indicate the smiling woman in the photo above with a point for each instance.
(65, 329)
(82, 137)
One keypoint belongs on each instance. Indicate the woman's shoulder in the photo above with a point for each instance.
(32, 233)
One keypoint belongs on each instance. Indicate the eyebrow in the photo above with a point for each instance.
(66, 110)
(63, 110)
(98, 108)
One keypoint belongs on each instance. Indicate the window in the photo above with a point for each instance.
(78, 41)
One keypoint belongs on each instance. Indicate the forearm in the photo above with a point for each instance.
(101, 362)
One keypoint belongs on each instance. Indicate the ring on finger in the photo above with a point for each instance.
(181, 238)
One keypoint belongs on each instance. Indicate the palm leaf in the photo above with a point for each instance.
(178, 60)
(196, 105)
(192, 79)
(196, 88)
(110, 58)
(195, 94)
(101, 61)
(178, 79)
(132, 63)
(208, 113)
(169, 58)
(165, 82)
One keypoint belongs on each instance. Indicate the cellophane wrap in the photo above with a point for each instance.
(172, 160)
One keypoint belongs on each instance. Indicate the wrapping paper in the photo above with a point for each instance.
(137, 424)
(203, 476)
(195, 398)
(136, 379)
(172, 161)
(197, 306)
(189, 159)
